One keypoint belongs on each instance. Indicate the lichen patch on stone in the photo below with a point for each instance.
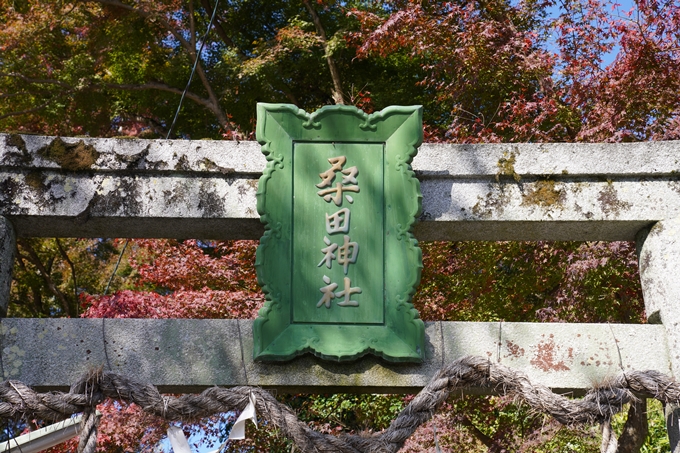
(549, 357)
(610, 202)
(12, 157)
(495, 202)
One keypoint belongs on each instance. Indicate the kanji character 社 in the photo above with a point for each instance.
(327, 292)
(347, 293)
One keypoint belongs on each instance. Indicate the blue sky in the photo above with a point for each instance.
(623, 6)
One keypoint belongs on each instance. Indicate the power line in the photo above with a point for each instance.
(193, 70)
(179, 107)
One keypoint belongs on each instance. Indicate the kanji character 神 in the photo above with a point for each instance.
(329, 256)
(347, 253)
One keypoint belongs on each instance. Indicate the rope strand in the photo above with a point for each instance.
(17, 401)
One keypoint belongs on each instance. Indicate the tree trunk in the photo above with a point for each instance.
(337, 94)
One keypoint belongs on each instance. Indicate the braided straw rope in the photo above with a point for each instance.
(17, 400)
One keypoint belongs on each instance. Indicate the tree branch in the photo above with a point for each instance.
(161, 87)
(34, 259)
(64, 255)
(211, 103)
(338, 96)
(38, 81)
(214, 105)
(151, 16)
(26, 111)
(635, 430)
(30, 80)
(483, 438)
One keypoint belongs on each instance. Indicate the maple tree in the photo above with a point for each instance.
(107, 67)
(485, 71)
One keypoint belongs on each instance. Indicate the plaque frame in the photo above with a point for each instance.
(400, 337)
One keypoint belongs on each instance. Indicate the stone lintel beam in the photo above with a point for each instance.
(188, 355)
(87, 187)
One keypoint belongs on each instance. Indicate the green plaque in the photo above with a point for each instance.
(338, 263)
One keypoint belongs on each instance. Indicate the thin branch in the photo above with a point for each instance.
(38, 81)
(636, 428)
(221, 32)
(483, 438)
(214, 103)
(162, 87)
(64, 255)
(13, 95)
(115, 269)
(26, 111)
(338, 96)
(289, 94)
(207, 103)
(34, 259)
(192, 26)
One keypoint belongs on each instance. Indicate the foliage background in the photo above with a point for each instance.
(485, 71)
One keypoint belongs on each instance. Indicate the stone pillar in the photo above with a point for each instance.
(7, 246)
(658, 250)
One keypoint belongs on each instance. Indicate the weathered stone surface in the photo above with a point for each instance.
(159, 188)
(189, 355)
(659, 261)
(130, 188)
(183, 189)
(7, 246)
(548, 159)
(37, 152)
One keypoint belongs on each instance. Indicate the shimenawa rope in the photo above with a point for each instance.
(599, 404)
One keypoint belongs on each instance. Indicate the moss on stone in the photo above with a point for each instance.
(16, 141)
(211, 166)
(495, 201)
(34, 180)
(506, 167)
(183, 164)
(70, 156)
(543, 193)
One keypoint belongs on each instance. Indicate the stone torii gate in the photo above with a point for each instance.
(73, 187)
